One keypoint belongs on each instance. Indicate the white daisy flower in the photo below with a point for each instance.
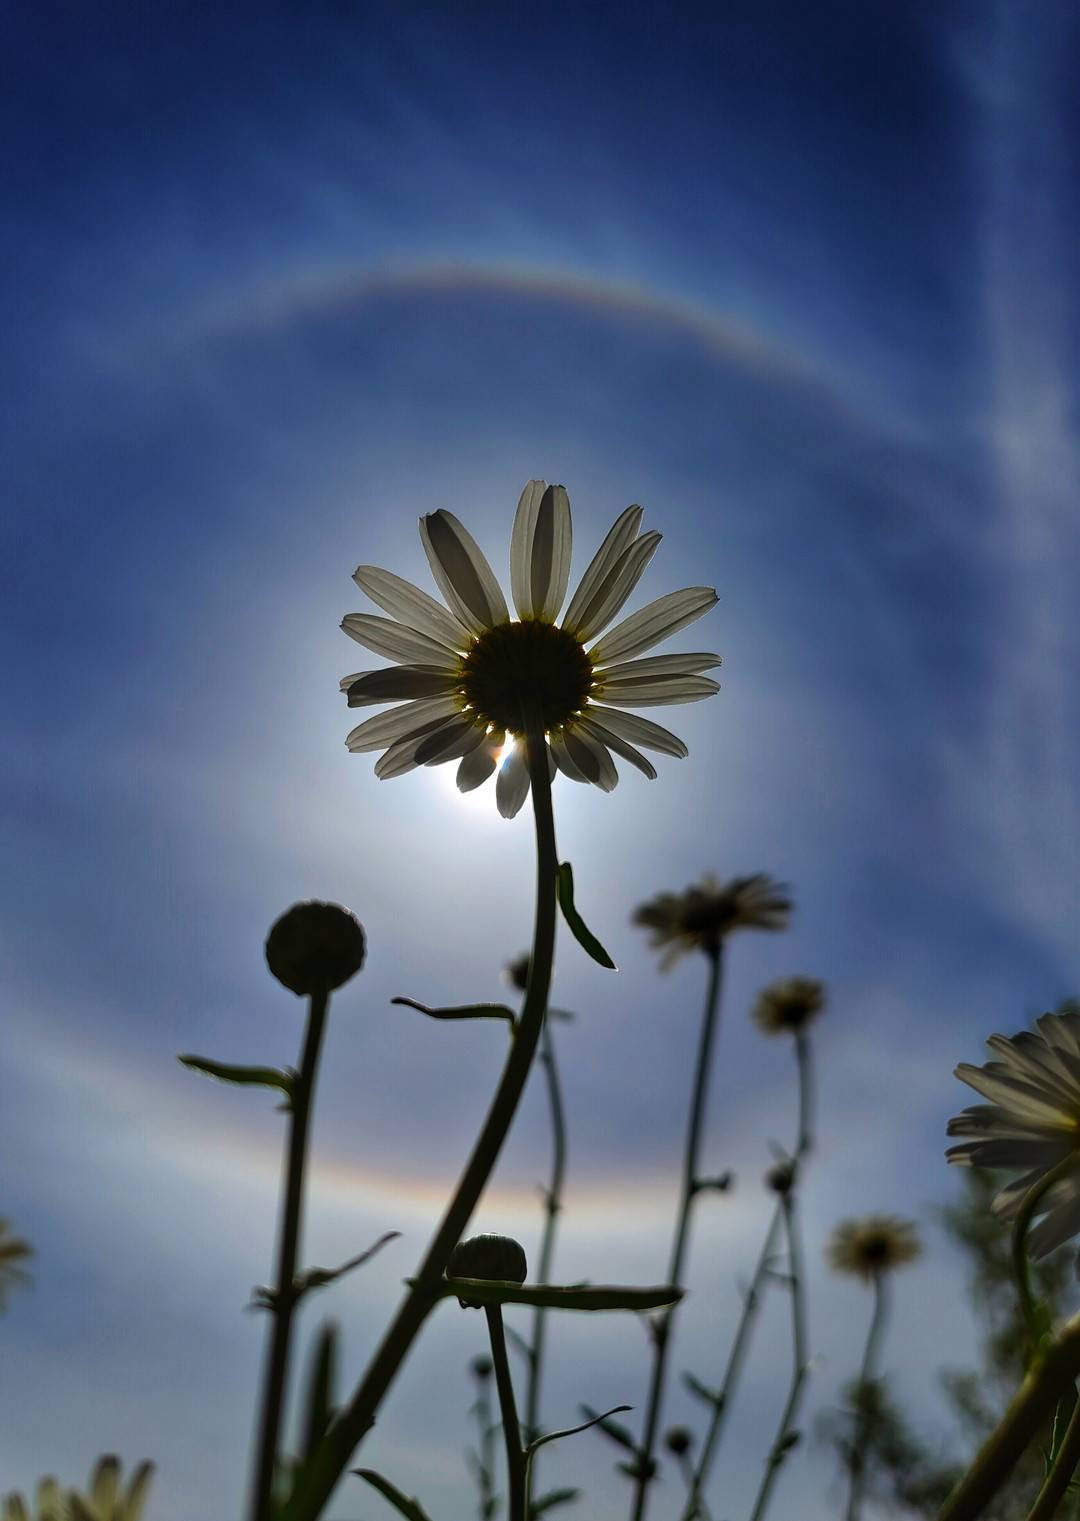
(1031, 1123)
(466, 671)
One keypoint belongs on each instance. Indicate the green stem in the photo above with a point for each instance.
(1024, 1216)
(662, 1338)
(288, 1244)
(1064, 1466)
(751, 1304)
(515, 1456)
(552, 1208)
(486, 1455)
(1052, 1377)
(864, 1398)
(800, 1365)
(357, 1417)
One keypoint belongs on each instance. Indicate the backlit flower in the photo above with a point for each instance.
(788, 1006)
(1031, 1124)
(104, 1501)
(699, 918)
(873, 1245)
(468, 676)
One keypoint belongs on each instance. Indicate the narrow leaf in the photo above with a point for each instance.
(610, 1428)
(551, 1499)
(460, 1011)
(703, 1392)
(401, 1502)
(318, 1278)
(482, 1291)
(603, 1421)
(259, 1077)
(576, 924)
(319, 1405)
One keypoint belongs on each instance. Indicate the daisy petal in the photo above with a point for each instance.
(512, 785)
(652, 623)
(639, 731)
(659, 692)
(408, 604)
(411, 718)
(463, 575)
(620, 746)
(1059, 1226)
(622, 533)
(478, 765)
(616, 586)
(398, 642)
(592, 758)
(521, 540)
(454, 740)
(564, 760)
(399, 681)
(399, 759)
(661, 665)
(540, 549)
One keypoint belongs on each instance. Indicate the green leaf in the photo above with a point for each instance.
(576, 924)
(584, 1296)
(703, 1392)
(263, 1298)
(551, 1499)
(612, 1429)
(246, 1077)
(603, 1421)
(319, 1406)
(460, 1011)
(401, 1502)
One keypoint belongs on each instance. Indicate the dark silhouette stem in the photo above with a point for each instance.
(277, 1367)
(662, 1333)
(552, 1208)
(864, 1397)
(799, 1361)
(358, 1415)
(515, 1456)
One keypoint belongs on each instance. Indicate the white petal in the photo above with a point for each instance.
(564, 760)
(638, 731)
(455, 739)
(521, 540)
(512, 784)
(402, 757)
(591, 756)
(397, 642)
(620, 746)
(463, 575)
(398, 681)
(658, 693)
(478, 765)
(660, 665)
(616, 586)
(647, 627)
(540, 549)
(408, 604)
(1025, 1101)
(411, 718)
(622, 533)
(1059, 1226)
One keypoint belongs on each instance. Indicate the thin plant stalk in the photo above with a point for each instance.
(358, 1415)
(800, 1365)
(552, 1208)
(486, 1456)
(751, 1303)
(662, 1334)
(864, 1398)
(1061, 1471)
(277, 1366)
(515, 1455)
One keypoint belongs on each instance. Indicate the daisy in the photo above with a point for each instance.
(873, 1245)
(1032, 1123)
(699, 918)
(468, 675)
(788, 1006)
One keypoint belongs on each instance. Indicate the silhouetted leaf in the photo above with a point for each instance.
(576, 924)
(483, 1291)
(401, 1502)
(610, 1428)
(551, 1499)
(460, 1011)
(703, 1392)
(246, 1077)
(319, 1404)
(263, 1298)
(604, 1421)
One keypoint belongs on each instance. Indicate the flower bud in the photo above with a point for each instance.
(517, 972)
(315, 947)
(497, 1259)
(780, 1178)
(679, 1440)
(482, 1368)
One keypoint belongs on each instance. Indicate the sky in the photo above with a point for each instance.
(281, 278)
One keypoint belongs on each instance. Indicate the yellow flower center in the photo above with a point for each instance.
(515, 668)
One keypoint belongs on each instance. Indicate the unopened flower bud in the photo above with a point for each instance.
(315, 947)
(780, 1178)
(517, 972)
(679, 1440)
(482, 1368)
(497, 1259)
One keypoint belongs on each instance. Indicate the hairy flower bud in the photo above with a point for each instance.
(315, 947)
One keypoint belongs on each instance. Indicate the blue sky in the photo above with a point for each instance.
(282, 279)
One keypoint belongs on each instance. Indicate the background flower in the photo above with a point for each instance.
(872, 1245)
(699, 918)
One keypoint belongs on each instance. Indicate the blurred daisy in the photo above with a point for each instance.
(871, 1246)
(699, 918)
(105, 1500)
(788, 1006)
(13, 1253)
(466, 673)
(1031, 1123)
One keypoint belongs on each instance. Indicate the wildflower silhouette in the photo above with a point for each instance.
(871, 1248)
(105, 1500)
(699, 918)
(13, 1253)
(788, 1006)
(466, 673)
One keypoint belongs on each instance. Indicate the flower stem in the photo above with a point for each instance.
(662, 1335)
(864, 1399)
(515, 1456)
(799, 1362)
(358, 1415)
(552, 1208)
(751, 1303)
(1064, 1466)
(288, 1245)
(1024, 1216)
(1052, 1377)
